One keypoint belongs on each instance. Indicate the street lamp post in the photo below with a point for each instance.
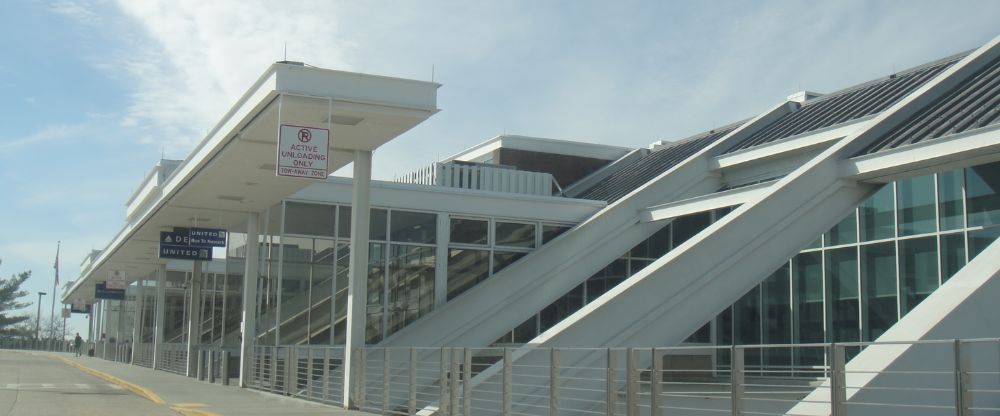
(39, 316)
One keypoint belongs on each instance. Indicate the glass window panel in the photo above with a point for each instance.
(747, 325)
(878, 272)
(411, 284)
(309, 219)
(915, 197)
(562, 308)
(525, 332)
(467, 231)
(845, 232)
(515, 234)
(950, 207)
(343, 222)
(808, 280)
(606, 279)
(339, 306)
(321, 289)
(655, 246)
(295, 281)
(842, 277)
(776, 317)
(376, 223)
(876, 215)
(723, 335)
(552, 231)
(746, 318)
(982, 189)
(687, 226)
(466, 268)
(634, 266)
(918, 270)
(502, 259)
(702, 336)
(952, 255)
(979, 239)
(413, 227)
(376, 286)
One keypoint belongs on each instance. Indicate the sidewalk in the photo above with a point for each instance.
(189, 396)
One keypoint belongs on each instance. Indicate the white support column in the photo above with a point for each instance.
(194, 319)
(441, 265)
(159, 315)
(250, 276)
(140, 299)
(358, 269)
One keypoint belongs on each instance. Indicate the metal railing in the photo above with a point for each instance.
(143, 355)
(37, 345)
(173, 358)
(482, 177)
(310, 372)
(932, 377)
(959, 377)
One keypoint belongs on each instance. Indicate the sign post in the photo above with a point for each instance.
(303, 152)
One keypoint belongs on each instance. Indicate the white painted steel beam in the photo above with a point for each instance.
(704, 203)
(968, 148)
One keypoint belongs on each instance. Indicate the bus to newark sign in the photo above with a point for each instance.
(303, 152)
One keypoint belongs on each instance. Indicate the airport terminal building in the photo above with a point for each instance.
(808, 260)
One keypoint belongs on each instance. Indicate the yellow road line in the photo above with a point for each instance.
(134, 388)
(190, 409)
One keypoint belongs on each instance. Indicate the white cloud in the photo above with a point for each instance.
(47, 134)
(75, 10)
(201, 56)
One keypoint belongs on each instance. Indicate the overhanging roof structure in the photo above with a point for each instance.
(232, 171)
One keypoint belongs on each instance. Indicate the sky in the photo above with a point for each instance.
(96, 92)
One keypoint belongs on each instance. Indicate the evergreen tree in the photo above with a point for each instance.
(10, 292)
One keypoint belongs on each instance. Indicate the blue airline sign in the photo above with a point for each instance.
(181, 252)
(207, 237)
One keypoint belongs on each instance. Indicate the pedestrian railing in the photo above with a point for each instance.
(143, 355)
(932, 377)
(959, 377)
(173, 358)
(310, 372)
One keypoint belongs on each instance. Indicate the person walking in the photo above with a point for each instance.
(77, 342)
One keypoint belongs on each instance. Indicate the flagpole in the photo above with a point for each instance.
(55, 284)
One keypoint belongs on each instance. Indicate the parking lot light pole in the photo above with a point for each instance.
(39, 315)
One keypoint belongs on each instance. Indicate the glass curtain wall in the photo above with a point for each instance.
(915, 234)
(303, 286)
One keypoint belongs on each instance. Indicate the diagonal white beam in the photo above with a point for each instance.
(704, 203)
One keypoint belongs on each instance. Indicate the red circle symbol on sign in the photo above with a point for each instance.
(305, 135)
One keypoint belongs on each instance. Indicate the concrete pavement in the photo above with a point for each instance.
(134, 390)
(32, 384)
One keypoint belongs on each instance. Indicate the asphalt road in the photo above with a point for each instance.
(35, 384)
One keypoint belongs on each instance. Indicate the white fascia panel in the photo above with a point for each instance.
(968, 148)
(455, 201)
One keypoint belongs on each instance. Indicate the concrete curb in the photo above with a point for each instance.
(134, 388)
